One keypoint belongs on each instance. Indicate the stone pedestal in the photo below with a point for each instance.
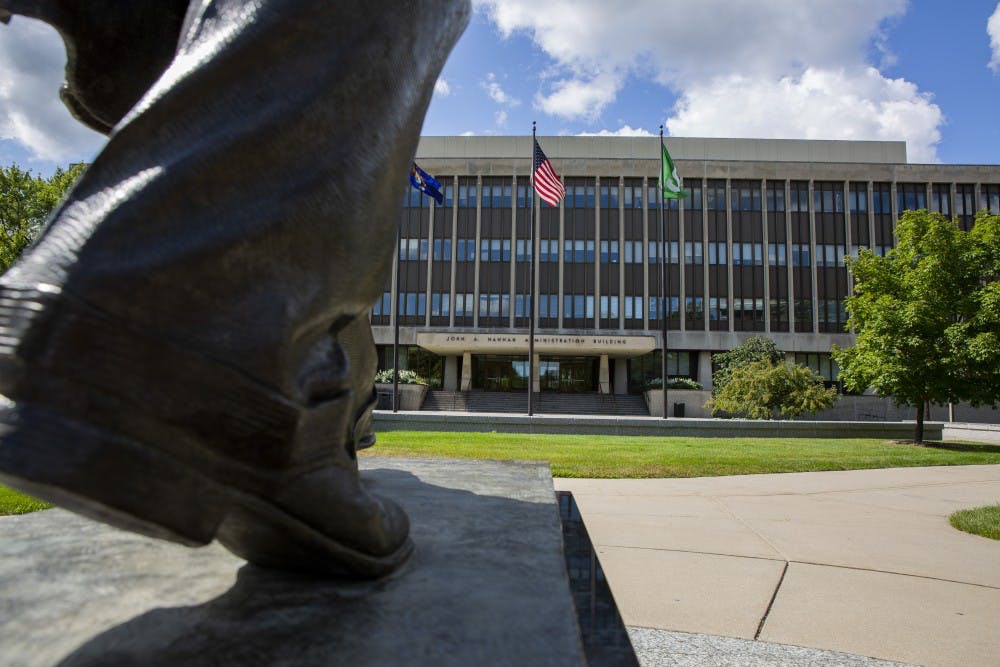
(486, 586)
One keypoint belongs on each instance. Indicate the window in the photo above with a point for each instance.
(633, 307)
(859, 202)
(800, 254)
(466, 250)
(694, 307)
(382, 305)
(442, 250)
(776, 199)
(609, 252)
(609, 307)
(439, 304)
(776, 254)
(717, 252)
(693, 252)
(718, 309)
(412, 304)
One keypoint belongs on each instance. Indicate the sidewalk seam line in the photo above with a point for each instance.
(690, 551)
(774, 596)
(898, 574)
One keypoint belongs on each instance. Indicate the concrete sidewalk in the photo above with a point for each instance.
(862, 562)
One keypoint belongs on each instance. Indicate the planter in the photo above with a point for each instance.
(693, 401)
(411, 396)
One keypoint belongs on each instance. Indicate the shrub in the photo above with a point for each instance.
(405, 377)
(675, 383)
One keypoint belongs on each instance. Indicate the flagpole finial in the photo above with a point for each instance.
(661, 131)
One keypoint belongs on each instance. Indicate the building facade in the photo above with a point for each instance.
(757, 248)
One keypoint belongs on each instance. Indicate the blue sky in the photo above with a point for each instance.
(925, 72)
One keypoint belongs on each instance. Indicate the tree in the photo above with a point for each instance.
(753, 349)
(926, 316)
(25, 204)
(767, 390)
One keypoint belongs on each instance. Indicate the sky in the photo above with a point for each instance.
(926, 72)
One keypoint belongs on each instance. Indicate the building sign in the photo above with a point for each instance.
(545, 343)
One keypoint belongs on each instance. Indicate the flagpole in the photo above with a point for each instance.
(395, 333)
(663, 277)
(531, 279)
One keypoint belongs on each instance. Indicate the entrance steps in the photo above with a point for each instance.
(545, 403)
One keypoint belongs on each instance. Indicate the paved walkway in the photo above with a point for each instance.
(862, 562)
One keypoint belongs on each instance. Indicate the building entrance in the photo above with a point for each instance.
(568, 374)
(499, 373)
(556, 374)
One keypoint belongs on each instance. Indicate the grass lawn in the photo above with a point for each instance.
(12, 502)
(983, 521)
(644, 456)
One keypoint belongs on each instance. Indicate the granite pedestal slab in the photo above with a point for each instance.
(486, 585)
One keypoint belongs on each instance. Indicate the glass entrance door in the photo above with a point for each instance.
(568, 374)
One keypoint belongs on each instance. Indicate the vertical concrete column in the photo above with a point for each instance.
(705, 369)
(621, 253)
(812, 256)
(952, 193)
(430, 261)
(871, 215)
(466, 371)
(681, 264)
(789, 269)
(894, 205)
(536, 384)
(789, 357)
(766, 255)
(848, 234)
(597, 255)
(604, 376)
(729, 255)
(479, 233)
(451, 373)
(645, 253)
(562, 256)
(704, 258)
(513, 251)
(621, 375)
(454, 252)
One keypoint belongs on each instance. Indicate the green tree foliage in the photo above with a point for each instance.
(927, 315)
(767, 390)
(753, 349)
(25, 204)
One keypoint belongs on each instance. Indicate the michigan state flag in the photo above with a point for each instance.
(426, 183)
(669, 179)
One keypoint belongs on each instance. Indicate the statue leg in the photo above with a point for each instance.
(186, 350)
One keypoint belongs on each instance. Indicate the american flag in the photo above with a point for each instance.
(547, 184)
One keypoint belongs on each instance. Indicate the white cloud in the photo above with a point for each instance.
(442, 87)
(32, 58)
(993, 30)
(496, 93)
(500, 117)
(574, 98)
(623, 131)
(821, 104)
(784, 68)
(468, 133)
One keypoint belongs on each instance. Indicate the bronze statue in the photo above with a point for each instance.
(186, 352)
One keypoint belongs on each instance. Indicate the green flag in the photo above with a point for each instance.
(669, 179)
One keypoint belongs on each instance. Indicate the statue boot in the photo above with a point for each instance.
(185, 352)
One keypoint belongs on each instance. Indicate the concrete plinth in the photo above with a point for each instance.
(486, 586)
